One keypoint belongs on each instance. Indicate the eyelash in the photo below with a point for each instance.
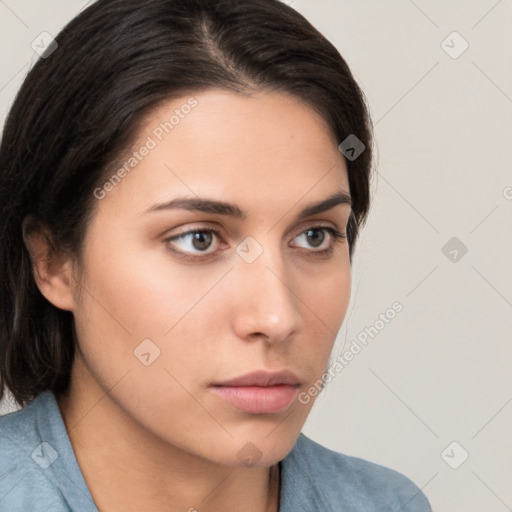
(337, 237)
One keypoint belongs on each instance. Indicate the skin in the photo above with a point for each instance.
(156, 437)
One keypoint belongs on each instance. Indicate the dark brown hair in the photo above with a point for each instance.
(80, 106)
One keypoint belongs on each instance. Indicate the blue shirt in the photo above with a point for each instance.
(39, 472)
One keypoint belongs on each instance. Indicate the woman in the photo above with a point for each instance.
(182, 187)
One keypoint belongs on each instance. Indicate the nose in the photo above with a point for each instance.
(265, 304)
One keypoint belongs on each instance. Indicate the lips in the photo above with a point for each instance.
(262, 378)
(259, 392)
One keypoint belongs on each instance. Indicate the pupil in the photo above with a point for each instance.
(202, 240)
(316, 236)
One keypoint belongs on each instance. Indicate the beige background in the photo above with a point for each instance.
(440, 371)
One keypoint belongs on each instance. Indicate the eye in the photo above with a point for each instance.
(320, 238)
(205, 242)
(194, 242)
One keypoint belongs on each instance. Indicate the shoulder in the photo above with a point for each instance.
(18, 434)
(334, 480)
(24, 485)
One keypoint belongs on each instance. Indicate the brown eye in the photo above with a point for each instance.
(193, 243)
(202, 240)
(316, 237)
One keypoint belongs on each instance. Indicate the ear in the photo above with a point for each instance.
(53, 270)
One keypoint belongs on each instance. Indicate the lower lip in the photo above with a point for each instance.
(258, 400)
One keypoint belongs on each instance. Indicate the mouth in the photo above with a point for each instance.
(259, 392)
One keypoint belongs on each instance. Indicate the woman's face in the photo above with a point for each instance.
(180, 295)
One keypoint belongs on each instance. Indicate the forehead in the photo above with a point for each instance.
(268, 147)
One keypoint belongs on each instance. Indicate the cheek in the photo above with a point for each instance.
(138, 295)
(140, 290)
(328, 302)
(327, 295)
(145, 330)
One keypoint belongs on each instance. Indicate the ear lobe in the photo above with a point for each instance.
(52, 268)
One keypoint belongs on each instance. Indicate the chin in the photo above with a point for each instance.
(252, 451)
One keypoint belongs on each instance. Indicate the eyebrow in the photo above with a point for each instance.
(198, 204)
